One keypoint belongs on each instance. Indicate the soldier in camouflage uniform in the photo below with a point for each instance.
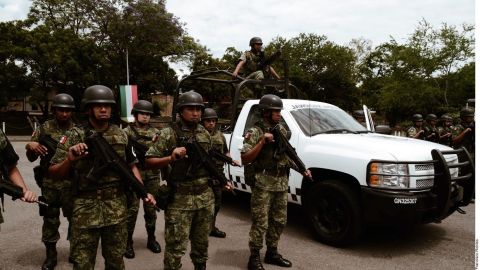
(209, 121)
(416, 131)
(8, 165)
(464, 133)
(269, 193)
(249, 60)
(143, 133)
(99, 204)
(189, 213)
(445, 131)
(56, 193)
(430, 128)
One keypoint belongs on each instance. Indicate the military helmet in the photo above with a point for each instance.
(190, 98)
(358, 113)
(98, 94)
(209, 113)
(465, 112)
(270, 102)
(431, 117)
(417, 117)
(446, 117)
(63, 101)
(142, 106)
(255, 40)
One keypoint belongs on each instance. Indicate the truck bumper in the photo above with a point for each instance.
(382, 207)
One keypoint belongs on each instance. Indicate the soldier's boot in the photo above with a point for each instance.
(273, 257)
(129, 252)
(216, 232)
(51, 260)
(152, 243)
(254, 262)
(200, 266)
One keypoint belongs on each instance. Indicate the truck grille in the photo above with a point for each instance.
(423, 167)
(425, 183)
(428, 168)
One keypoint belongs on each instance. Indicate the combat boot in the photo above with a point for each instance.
(272, 257)
(152, 243)
(254, 262)
(51, 260)
(129, 252)
(200, 266)
(217, 233)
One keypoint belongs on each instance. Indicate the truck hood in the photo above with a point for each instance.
(372, 146)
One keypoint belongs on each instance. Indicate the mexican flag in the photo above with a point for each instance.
(128, 97)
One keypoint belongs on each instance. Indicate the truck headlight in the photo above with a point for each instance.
(388, 175)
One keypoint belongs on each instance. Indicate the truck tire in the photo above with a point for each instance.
(333, 209)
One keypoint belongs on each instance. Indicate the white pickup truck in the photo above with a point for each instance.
(359, 177)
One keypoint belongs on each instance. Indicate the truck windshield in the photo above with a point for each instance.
(313, 121)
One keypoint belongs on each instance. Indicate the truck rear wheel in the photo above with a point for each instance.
(334, 212)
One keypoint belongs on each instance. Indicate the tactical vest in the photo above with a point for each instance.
(266, 159)
(106, 178)
(252, 61)
(188, 169)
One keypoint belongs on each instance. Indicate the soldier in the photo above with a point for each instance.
(209, 121)
(250, 61)
(269, 193)
(445, 130)
(56, 193)
(430, 128)
(9, 170)
(99, 205)
(416, 131)
(464, 133)
(142, 134)
(189, 213)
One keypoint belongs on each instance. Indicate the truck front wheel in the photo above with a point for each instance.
(333, 210)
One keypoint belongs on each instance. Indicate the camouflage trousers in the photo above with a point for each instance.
(217, 192)
(57, 199)
(181, 225)
(85, 244)
(269, 217)
(133, 206)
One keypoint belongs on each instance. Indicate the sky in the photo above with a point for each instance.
(219, 24)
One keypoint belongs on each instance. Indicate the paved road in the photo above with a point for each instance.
(449, 245)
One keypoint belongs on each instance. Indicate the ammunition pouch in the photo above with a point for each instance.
(38, 175)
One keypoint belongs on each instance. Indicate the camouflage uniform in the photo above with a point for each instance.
(151, 181)
(100, 207)
(251, 61)
(269, 194)
(189, 214)
(429, 130)
(6, 159)
(220, 144)
(57, 193)
(468, 141)
(444, 130)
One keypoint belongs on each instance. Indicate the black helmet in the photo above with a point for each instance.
(190, 98)
(209, 113)
(270, 102)
(358, 113)
(142, 106)
(467, 112)
(417, 117)
(431, 117)
(98, 94)
(446, 117)
(63, 101)
(255, 40)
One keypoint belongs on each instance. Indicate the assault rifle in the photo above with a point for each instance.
(12, 190)
(39, 171)
(139, 149)
(264, 62)
(220, 156)
(284, 146)
(105, 157)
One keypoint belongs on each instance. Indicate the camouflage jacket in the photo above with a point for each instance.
(95, 212)
(146, 136)
(445, 130)
(169, 140)
(412, 131)
(265, 160)
(251, 61)
(219, 144)
(468, 140)
(51, 127)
